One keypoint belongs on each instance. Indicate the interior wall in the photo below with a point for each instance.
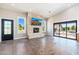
(50, 26)
(8, 14)
(67, 15)
(30, 27)
(70, 14)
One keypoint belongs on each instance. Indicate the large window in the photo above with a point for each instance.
(66, 29)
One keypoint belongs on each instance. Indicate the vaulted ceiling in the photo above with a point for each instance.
(45, 9)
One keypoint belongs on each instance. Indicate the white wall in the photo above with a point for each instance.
(66, 15)
(30, 27)
(50, 26)
(7, 14)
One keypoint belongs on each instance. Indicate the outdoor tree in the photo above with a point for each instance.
(68, 28)
(73, 27)
(64, 28)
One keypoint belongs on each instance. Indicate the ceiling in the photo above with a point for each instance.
(45, 9)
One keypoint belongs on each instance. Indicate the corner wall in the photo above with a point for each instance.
(50, 26)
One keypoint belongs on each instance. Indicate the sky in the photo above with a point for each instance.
(21, 21)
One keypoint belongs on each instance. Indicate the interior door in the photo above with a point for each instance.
(7, 29)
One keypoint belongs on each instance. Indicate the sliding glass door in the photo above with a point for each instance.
(66, 29)
(63, 29)
(71, 30)
(56, 29)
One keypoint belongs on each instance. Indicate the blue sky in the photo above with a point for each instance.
(21, 21)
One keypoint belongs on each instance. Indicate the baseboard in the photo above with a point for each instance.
(20, 38)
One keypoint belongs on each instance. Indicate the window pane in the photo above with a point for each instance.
(71, 30)
(7, 27)
(63, 29)
(56, 29)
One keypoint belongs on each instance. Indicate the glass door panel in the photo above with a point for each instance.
(63, 29)
(7, 27)
(56, 29)
(71, 30)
